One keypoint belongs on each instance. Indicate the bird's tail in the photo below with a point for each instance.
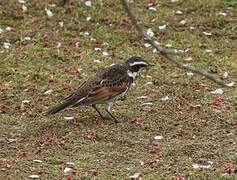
(59, 107)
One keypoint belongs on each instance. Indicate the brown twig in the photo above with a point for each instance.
(169, 54)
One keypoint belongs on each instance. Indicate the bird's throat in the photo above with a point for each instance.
(132, 74)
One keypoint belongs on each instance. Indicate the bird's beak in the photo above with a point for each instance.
(150, 65)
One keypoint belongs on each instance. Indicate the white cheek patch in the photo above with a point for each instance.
(132, 74)
(138, 63)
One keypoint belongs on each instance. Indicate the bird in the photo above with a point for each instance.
(104, 87)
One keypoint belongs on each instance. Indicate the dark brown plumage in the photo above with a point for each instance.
(104, 87)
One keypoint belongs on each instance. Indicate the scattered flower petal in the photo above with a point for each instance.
(224, 75)
(105, 53)
(231, 84)
(7, 45)
(88, 18)
(155, 146)
(151, 3)
(135, 176)
(217, 91)
(37, 161)
(68, 118)
(142, 97)
(8, 28)
(4, 108)
(206, 165)
(77, 44)
(25, 101)
(222, 13)
(147, 162)
(88, 3)
(158, 137)
(152, 8)
(49, 13)
(162, 27)
(147, 45)
(86, 33)
(97, 49)
(27, 38)
(190, 74)
(91, 134)
(207, 33)
(24, 8)
(34, 176)
(58, 45)
(105, 44)
(21, 1)
(217, 101)
(52, 5)
(67, 169)
(94, 172)
(137, 121)
(69, 178)
(168, 45)
(189, 59)
(149, 83)
(179, 178)
(183, 22)
(48, 92)
(61, 23)
(165, 98)
(75, 70)
(209, 50)
(11, 140)
(147, 104)
(178, 12)
(154, 50)
(230, 170)
(157, 43)
(150, 32)
(97, 61)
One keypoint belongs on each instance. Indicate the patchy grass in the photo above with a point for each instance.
(193, 130)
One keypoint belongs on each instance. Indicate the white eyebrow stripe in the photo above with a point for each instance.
(137, 63)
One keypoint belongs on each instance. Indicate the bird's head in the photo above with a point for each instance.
(134, 64)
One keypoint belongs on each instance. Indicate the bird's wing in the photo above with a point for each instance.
(104, 85)
(70, 96)
(104, 93)
(110, 83)
(68, 101)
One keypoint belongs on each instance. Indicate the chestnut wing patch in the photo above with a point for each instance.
(105, 93)
(105, 86)
(101, 94)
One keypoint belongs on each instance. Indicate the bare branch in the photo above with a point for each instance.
(169, 54)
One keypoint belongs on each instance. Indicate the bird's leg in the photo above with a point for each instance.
(97, 110)
(108, 111)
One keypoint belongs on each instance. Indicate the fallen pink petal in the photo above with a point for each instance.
(224, 75)
(48, 92)
(217, 91)
(217, 101)
(135, 176)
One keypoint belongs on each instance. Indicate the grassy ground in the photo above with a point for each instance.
(193, 129)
